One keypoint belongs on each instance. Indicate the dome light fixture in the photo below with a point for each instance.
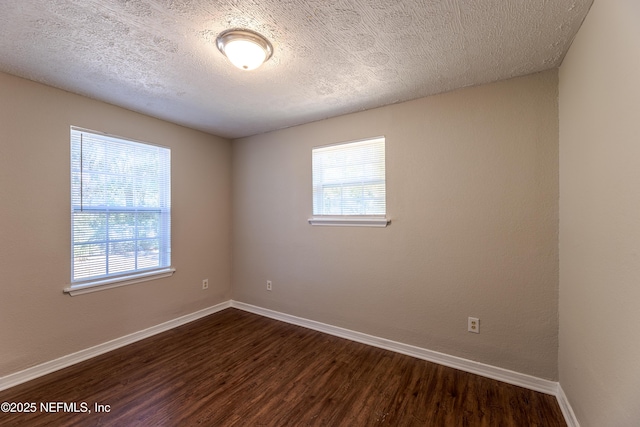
(245, 49)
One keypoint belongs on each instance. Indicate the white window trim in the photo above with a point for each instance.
(89, 286)
(350, 221)
(96, 284)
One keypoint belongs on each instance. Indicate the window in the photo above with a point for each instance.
(349, 184)
(120, 211)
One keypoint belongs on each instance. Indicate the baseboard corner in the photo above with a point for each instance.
(473, 367)
(565, 407)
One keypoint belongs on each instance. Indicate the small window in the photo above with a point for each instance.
(349, 183)
(120, 210)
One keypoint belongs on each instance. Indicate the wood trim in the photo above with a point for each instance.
(238, 368)
(82, 355)
(350, 222)
(565, 407)
(493, 372)
(116, 282)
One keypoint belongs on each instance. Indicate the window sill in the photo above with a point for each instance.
(115, 282)
(350, 222)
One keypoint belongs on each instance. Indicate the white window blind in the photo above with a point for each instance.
(349, 179)
(121, 207)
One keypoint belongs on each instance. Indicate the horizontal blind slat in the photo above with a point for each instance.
(121, 205)
(349, 179)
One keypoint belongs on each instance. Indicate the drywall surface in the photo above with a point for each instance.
(39, 322)
(472, 192)
(599, 357)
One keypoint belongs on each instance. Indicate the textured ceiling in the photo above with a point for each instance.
(159, 57)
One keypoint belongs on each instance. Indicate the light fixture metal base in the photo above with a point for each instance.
(228, 36)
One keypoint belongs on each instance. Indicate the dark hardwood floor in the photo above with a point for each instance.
(238, 369)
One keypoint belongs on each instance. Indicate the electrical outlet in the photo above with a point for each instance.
(269, 285)
(473, 325)
(205, 284)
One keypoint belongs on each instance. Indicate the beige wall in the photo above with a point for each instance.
(599, 358)
(472, 184)
(472, 192)
(40, 323)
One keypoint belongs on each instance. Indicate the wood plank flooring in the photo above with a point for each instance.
(238, 369)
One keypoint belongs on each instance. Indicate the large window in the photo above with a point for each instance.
(349, 183)
(121, 209)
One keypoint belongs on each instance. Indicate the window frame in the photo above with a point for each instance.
(111, 280)
(347, 220)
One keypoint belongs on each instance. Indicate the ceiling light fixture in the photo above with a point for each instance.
(245, 49)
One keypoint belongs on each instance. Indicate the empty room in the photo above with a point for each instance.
(337, 213)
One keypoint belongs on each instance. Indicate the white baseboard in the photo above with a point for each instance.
(82, 355)
(493, 372)
(567, 410)
(511, 377)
